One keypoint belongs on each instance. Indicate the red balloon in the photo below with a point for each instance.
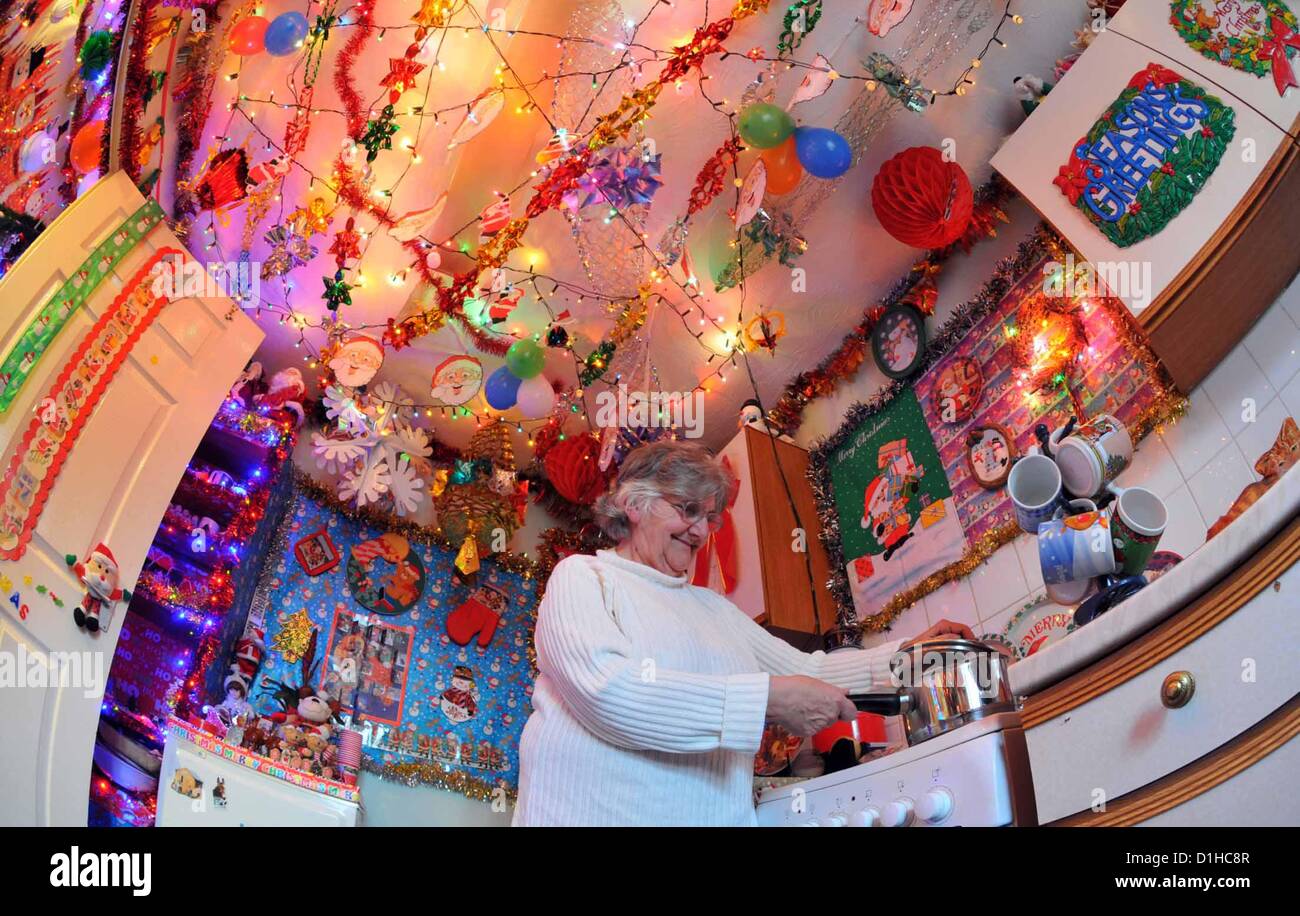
(783, 167)
(87, 146)
(249, 36)
(573, 468)
(922, 200)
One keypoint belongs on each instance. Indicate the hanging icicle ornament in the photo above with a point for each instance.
(379, 133)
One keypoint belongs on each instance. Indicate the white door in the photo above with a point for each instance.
(113, 488)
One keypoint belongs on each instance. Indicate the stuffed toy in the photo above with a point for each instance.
(303, 706)
(98, 573)
(285, 391)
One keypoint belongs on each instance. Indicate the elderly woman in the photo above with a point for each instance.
(653, 693)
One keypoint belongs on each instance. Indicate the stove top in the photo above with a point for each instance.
(974, 776)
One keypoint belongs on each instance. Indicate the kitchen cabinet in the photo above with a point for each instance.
(1173, 725)
(772, 583)
(1199, 284)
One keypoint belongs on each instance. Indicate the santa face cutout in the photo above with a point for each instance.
(357, 361)
(457, 379)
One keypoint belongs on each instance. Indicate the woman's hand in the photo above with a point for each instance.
(804, 705)
(942, 628)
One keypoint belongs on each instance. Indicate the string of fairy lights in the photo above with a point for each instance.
(719, 356)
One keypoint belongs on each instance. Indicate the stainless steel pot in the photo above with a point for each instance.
(942, 684)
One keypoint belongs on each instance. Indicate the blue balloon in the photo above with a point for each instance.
(285, 34)
(822, 152)
(501, 389)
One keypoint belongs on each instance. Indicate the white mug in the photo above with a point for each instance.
(1093, 455)
(1034, 485)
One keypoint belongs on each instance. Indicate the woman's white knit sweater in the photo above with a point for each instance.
(650, 702)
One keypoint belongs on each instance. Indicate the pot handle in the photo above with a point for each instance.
(881, 704)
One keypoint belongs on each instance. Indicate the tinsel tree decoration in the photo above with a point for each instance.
(96, 54)
(379, 455)
(492, 442)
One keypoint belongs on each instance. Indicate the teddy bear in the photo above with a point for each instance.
(402, 585)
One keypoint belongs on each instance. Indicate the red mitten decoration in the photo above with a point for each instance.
(480, 614)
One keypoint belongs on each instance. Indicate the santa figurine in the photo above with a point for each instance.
(286, 391)
(98, 573)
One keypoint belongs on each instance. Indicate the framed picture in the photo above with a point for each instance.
(958, 388)
(898, 341)
(990, 450)
(317, 553)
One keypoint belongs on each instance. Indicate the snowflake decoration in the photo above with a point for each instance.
(374, 447)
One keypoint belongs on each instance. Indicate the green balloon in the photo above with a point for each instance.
(525, 359)
(765, 126)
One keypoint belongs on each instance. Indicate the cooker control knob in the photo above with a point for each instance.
(934, 805)
(867, 817)
(898, 813)
(837, 820)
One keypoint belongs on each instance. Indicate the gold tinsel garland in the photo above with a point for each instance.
(432, 774)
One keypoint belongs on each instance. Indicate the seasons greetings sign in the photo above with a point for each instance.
(1147, 156)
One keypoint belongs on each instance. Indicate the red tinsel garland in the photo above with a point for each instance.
(712, 177)
(347, 58)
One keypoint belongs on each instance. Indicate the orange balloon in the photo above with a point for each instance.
(783, 168)
(86, 147)
(248, 37)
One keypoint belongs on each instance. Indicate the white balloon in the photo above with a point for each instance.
(36, 153)
(535, 397)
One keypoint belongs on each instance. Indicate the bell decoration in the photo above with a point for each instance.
(572, 466)
(921, 199)
(467, 557)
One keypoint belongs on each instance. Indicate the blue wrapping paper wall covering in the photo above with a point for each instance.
(431, 710)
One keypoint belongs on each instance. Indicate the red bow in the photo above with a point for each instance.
(723, 541)
(1283, 38)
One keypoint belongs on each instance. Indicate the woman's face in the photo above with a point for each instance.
(661, 537)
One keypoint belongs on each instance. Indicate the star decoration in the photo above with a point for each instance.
(432, 14)
(346, 244)
(379, 133)
(336, 292)
(401, 76)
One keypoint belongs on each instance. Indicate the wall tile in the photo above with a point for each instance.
(1153, 467)
(1217, 484)
(1027, 550)
(1290, 300)
(1291, 398)
(954, 601)
(1185, 531)
(1258, 437)
(1274, 341)
(1236, 378)
(998, 581)
(1198, 436)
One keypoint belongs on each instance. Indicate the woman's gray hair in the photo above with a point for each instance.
(669, 468)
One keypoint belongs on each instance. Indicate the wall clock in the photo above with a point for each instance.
(898, 341)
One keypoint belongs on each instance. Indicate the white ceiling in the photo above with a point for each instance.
(850, 261)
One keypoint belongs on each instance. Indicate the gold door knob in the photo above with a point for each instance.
(1177, 689)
